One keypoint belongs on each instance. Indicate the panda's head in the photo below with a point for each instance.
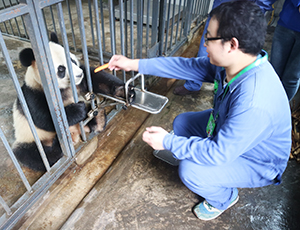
(32, 77)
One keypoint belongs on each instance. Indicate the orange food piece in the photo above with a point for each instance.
(102, 67)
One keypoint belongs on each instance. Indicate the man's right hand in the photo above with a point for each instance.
(120, 62)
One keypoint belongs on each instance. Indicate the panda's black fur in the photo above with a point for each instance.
(25, 147)
(108, 84)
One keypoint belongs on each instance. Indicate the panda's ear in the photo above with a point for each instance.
(26, 57)
(53, 37)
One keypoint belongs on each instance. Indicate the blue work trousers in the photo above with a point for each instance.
(215, 183)
(285, 58)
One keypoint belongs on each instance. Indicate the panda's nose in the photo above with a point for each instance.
(79, 75)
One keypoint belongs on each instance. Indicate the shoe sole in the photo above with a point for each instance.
(233, 203)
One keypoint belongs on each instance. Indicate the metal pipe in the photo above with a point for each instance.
(15, 162)
(161, 28)
(139, 24)
(69, 64)
(100, 54)
(122, 31)
(131, 34)
(23, 102)
(168, 26)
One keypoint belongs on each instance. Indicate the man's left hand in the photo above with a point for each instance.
(154, 137)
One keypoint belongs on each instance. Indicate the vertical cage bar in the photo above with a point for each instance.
(52, 17)
(173, 21)
(71, 25)
(131, 34)
(112, 29)
(15, 161)
(98, 31)
(16, 22)
(147, 25)
(67, 54)
(178, 21)
(84, 48)
(9, 21)
(140, 14)
(5, 206)
(91, 22)
(155, 14)
(183, 19)
(167, 27)
(161, 29)
(122, 34)
(40, 45)
(23, 102)
(102, 26)
(126, 27)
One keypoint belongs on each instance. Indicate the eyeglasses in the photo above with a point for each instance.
(206, 39)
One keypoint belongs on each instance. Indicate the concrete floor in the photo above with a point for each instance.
(142, 192)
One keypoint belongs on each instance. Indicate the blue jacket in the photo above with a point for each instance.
(254, 117)
(265, 5)
(290, 15)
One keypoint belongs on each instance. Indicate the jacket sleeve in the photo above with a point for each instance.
(242, 130)
(194, 69)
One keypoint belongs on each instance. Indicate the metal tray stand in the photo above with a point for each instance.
(144, 100)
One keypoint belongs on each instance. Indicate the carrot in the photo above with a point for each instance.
(102, 67)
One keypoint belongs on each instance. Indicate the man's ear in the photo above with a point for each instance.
(234, 43)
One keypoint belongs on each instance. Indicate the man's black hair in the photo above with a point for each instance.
(243, 20)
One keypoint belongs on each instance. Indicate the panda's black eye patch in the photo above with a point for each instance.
(61, 70)
(72, 60)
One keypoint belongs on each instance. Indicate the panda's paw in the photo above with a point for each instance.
(81, 111)
(98, 123)
(76, 112)
(75, 133)
(131, 94)
(81, 106)
(120, 92)
(101, 121)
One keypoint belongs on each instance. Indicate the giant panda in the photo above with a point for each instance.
(24, 147)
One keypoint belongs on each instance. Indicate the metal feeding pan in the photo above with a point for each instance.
(149, 102)
(144, 100)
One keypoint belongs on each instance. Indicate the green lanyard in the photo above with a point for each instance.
(212, 121)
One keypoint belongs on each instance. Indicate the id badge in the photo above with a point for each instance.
(216, 86)
(210, 125)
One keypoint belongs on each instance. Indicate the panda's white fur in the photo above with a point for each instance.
(24, 147)
(23, 132)
(33, 80)
(60, 60)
